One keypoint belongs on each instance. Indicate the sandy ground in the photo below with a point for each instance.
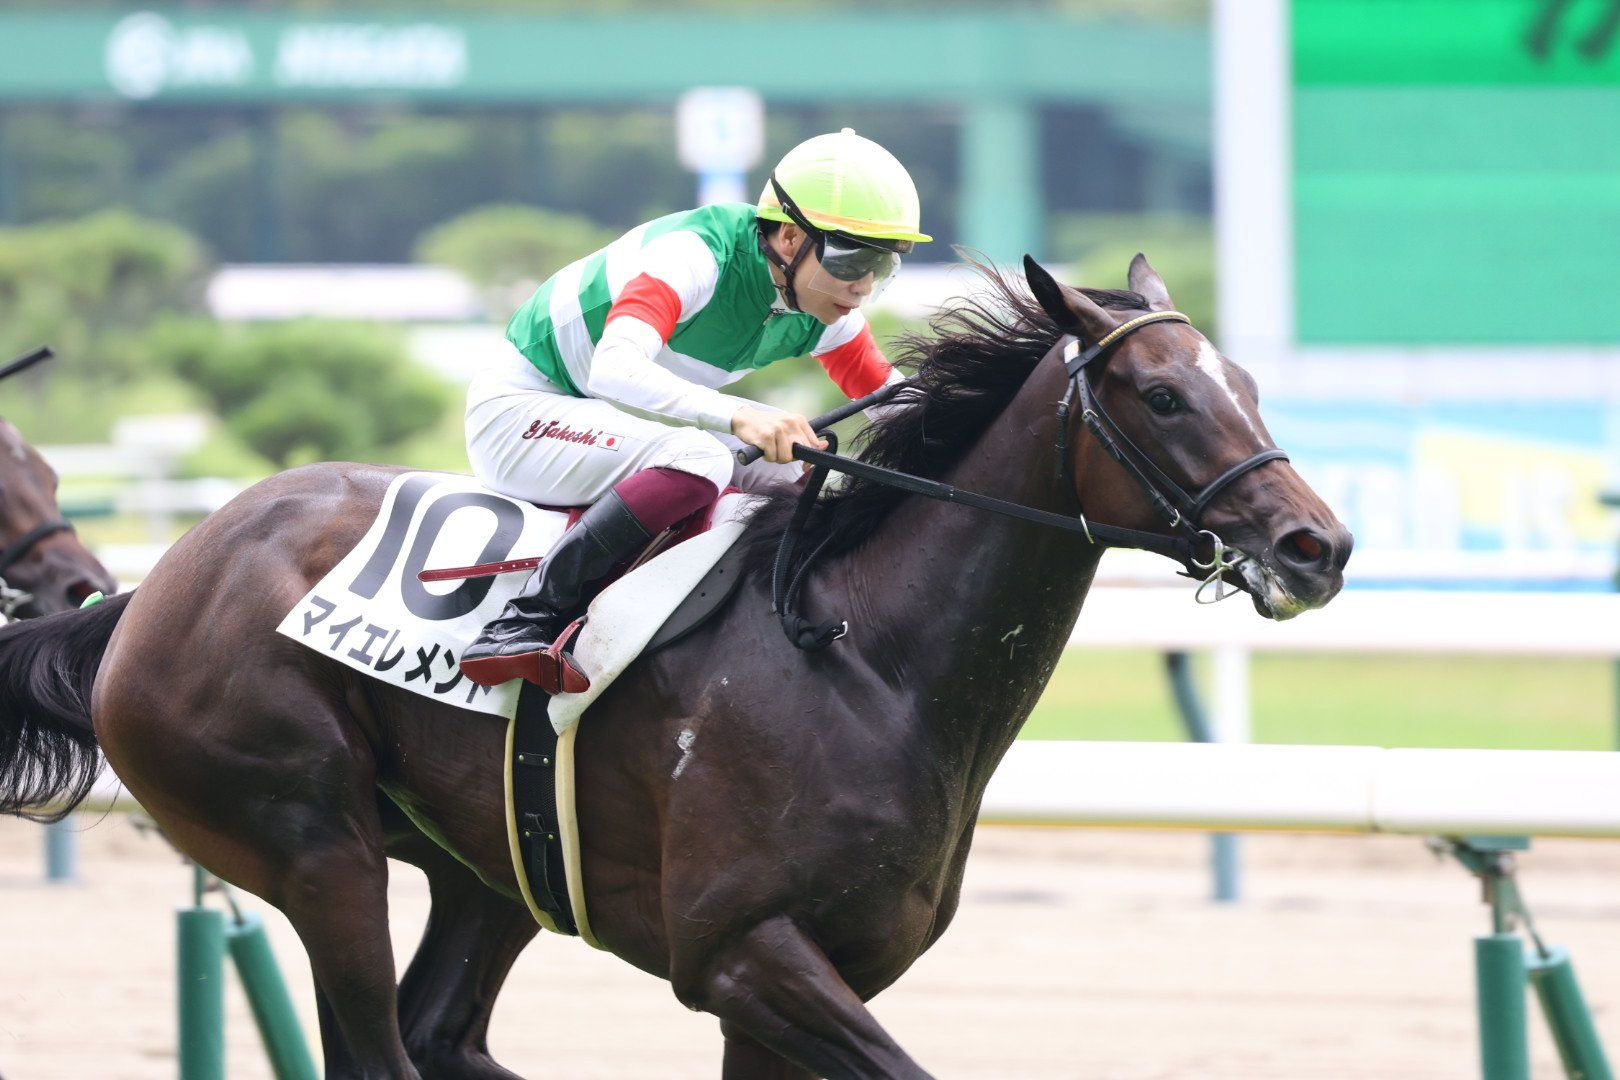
(1076, 954)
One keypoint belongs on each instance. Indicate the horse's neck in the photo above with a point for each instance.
(968, 610)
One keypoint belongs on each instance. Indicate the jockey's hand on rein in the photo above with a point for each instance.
(775, 433)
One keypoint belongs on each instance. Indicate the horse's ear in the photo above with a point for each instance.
(1146, 280)
(1071, 309)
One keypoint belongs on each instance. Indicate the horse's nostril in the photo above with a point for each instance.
(1304, 548)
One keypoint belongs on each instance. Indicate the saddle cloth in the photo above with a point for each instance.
(372, 613)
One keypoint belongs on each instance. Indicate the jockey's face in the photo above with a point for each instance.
(827, 305)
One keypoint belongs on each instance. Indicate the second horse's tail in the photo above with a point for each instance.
(47, 745)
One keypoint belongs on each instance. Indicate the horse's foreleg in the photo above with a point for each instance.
(774, 985)
(473, 936)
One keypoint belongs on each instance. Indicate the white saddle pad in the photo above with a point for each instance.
(371, 613)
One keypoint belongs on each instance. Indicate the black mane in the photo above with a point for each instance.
(964, 371)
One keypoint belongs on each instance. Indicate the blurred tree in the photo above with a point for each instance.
(507, 250)
(617, 166)
(360, 187)
(88, 286)
(56, 170)
(304, 391)
(205, 187)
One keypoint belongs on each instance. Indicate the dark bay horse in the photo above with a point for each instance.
(44, 570)
(43, 566)
(780, 834)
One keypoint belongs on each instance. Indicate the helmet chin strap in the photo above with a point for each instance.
(785, 288)
(812, 236)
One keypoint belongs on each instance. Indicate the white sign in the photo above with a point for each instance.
(721, 129)
(147, 54)
(424, 56)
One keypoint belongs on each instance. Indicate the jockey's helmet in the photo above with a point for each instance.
(855, 201)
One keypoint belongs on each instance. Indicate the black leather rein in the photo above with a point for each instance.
(1182, 509)
(20, 548)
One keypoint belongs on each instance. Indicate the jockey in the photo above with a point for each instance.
(612, 398)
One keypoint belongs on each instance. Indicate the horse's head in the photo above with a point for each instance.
(39, 555)
(1194, 416)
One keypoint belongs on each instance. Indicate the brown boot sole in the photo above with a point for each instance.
(551, 669)
(495, 670)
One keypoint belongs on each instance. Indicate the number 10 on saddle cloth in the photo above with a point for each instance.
(372, 613)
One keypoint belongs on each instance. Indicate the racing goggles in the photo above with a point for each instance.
(854, 270)
(853, 273)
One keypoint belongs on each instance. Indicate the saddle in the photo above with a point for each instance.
(541, 822)
(377, 612)
(696, 609)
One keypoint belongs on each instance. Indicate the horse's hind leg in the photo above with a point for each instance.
(324, 868)
(472, 938)
(335, 893)
(296, 825)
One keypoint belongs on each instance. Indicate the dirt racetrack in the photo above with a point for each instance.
(1076, 954)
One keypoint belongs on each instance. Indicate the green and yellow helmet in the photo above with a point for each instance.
(858, 205)
(847, 184)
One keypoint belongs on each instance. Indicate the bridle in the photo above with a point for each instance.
(11, 598)
(1182, 509)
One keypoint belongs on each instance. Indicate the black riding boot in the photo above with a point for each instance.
(514, 645)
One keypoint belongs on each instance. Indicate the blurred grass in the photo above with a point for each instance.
(1439, 701)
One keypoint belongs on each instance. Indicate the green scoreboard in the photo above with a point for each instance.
(1455, 172)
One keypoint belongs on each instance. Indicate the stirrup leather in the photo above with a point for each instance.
(556, 672)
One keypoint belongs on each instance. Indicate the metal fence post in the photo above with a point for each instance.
(267, 994)
(201, 981)
(1568, 1018)
(1499, 976)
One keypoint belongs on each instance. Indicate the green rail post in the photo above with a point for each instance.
(1568, 1018)
(267, 994)
(1225, 858)
(61, 843)
(1499, 974)
(201, 980)
(1502, 966)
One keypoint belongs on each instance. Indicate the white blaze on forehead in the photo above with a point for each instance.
(1211, 364)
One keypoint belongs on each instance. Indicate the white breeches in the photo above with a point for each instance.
(541, 445)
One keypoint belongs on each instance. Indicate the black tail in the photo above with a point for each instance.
(47, 746)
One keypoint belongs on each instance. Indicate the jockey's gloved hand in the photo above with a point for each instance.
(775, 433)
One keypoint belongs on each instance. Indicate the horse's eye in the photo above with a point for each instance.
(1162, 401)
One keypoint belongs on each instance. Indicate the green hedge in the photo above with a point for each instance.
(304, 391)
(120, 298)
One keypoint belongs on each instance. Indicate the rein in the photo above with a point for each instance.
(12, 598)
(1181, 509)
